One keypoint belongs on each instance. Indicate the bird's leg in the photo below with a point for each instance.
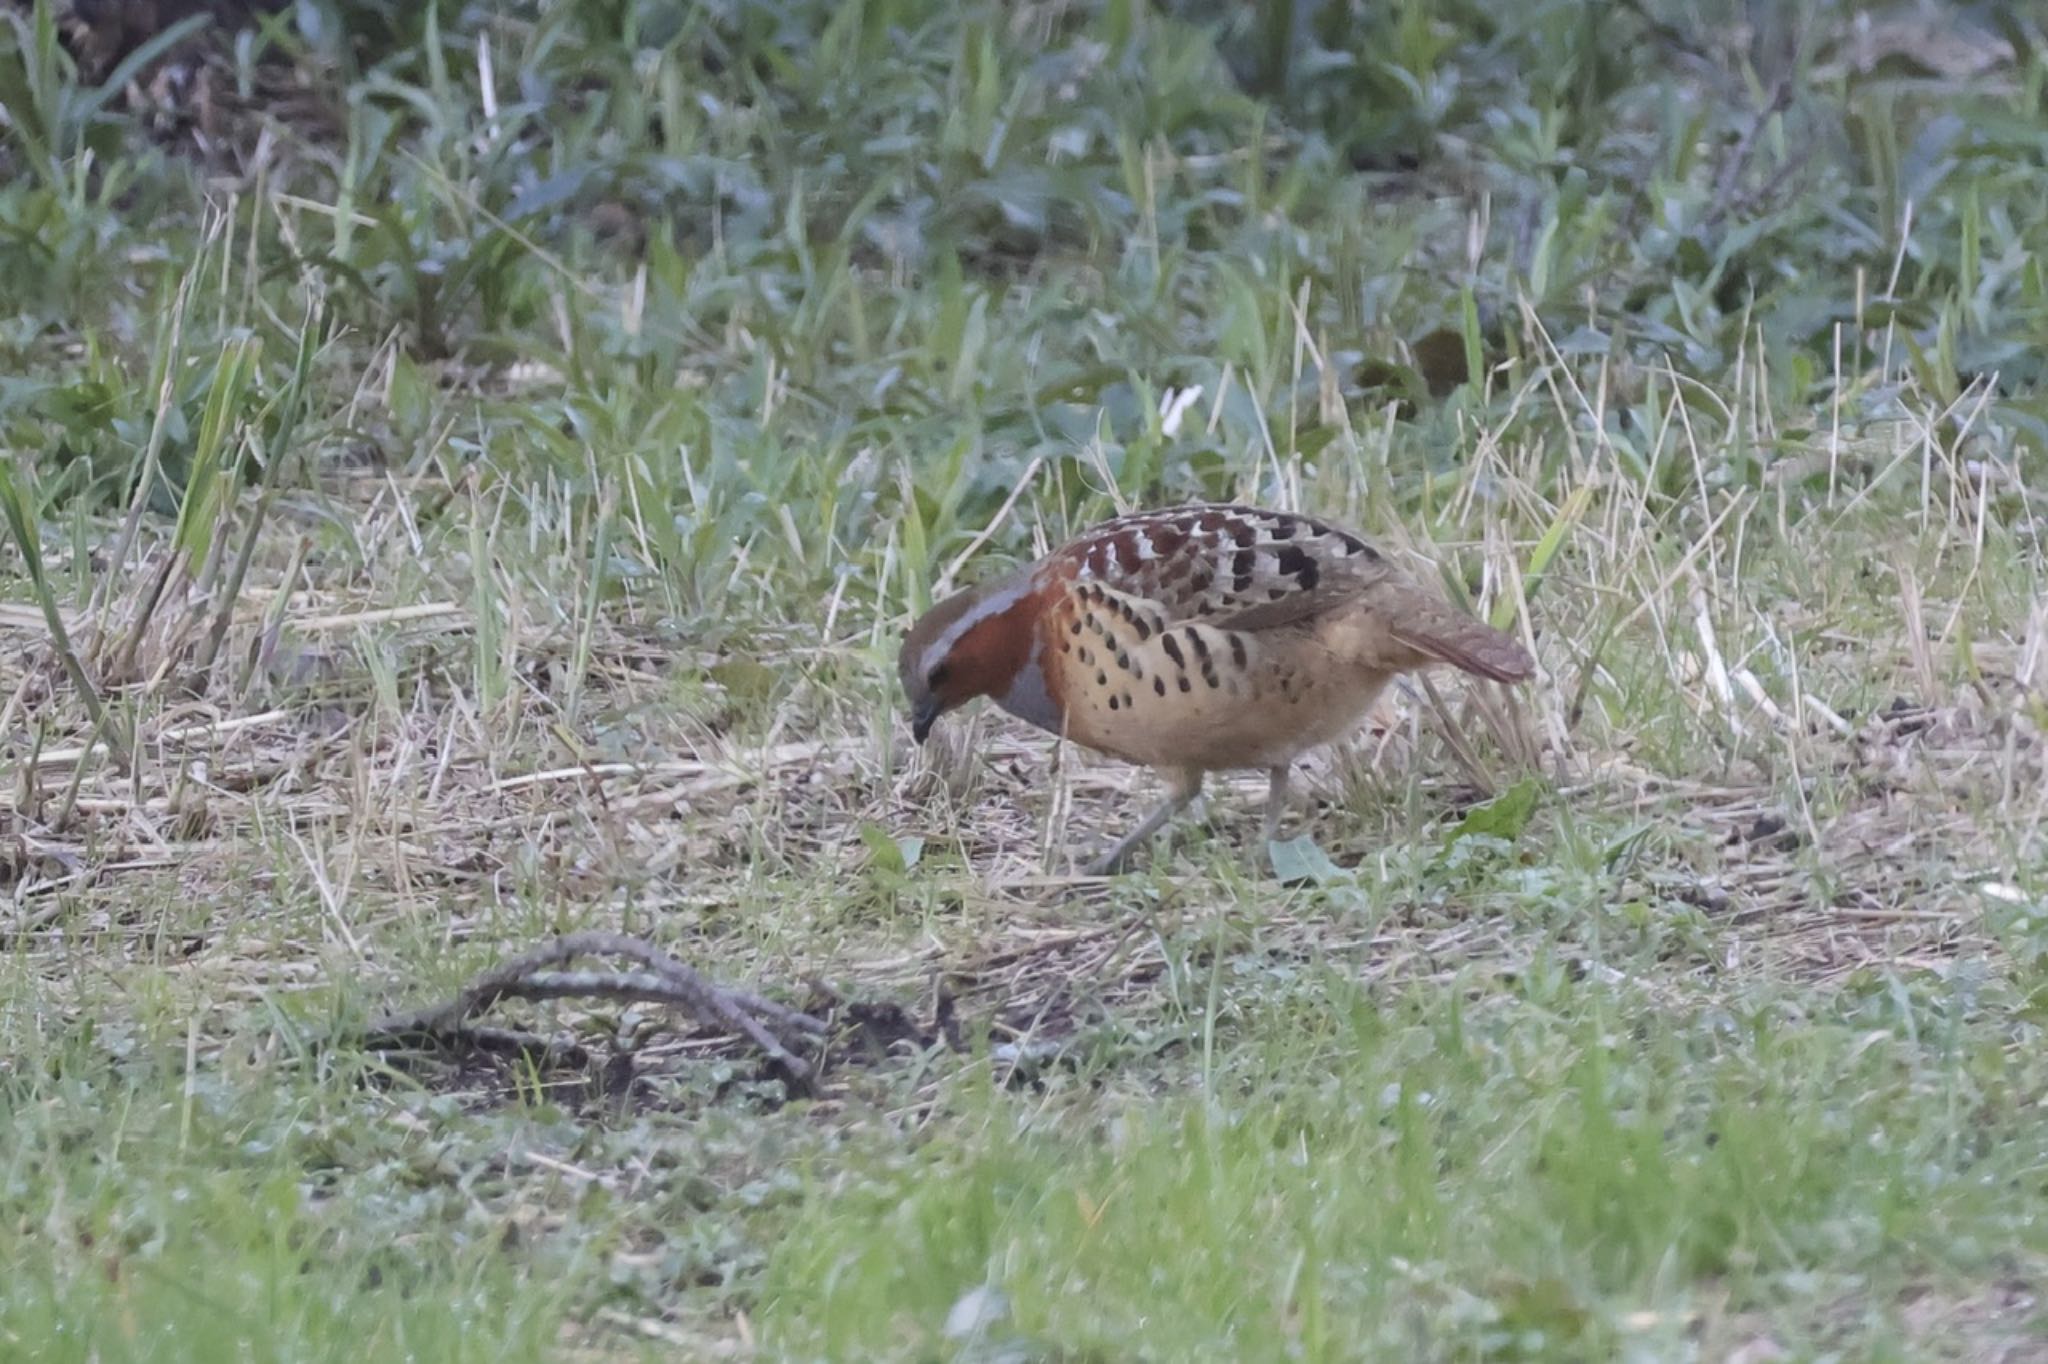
(1181, 789)
(1276, 800)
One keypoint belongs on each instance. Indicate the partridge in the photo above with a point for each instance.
(1192, 640)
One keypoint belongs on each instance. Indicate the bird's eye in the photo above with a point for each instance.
(936, 678)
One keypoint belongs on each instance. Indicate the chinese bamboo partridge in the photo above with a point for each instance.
(1192, 640)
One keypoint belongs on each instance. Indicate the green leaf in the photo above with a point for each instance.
(889, 853)
(747, 681)
(20, 517)
(1504, 817)
(1299, 859)
(1474, 335)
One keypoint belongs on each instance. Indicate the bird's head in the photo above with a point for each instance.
(971, 644)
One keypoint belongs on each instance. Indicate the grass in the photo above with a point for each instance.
(468, 472)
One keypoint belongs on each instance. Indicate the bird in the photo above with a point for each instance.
(1194, 639)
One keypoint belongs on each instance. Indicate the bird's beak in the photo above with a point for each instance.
(921, 719)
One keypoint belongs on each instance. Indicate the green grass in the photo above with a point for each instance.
(1553, 1171)
(469, 485)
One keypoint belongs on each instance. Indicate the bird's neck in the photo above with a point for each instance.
(1007, 629)
(1028, 696)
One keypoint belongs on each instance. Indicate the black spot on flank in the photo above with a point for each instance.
(1076, 626)
(1173, 652)
(1186, 685)
(1243, 565)
(1159, 686)
(1130, 616)
(1237, 650)
(1087, 654)
(1243, 536)
(1127, 700)
(1275, 593)
(1354, 545)
(1112, 703)
(1201, 645)
(1209, 676)
(1281, 530)
(1101, 678)
(1123, 661)
(1295, 562)
(1066, 646)
(1144, 630)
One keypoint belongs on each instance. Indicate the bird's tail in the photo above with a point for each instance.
(1441, 634)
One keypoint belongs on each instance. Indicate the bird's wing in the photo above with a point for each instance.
(1243, 567)
(1247, 570)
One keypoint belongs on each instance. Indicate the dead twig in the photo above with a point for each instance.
(1726, 183)
(663, 980)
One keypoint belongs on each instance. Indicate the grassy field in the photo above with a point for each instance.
(469, 467)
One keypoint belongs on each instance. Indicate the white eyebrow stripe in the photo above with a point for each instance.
(992, 605)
